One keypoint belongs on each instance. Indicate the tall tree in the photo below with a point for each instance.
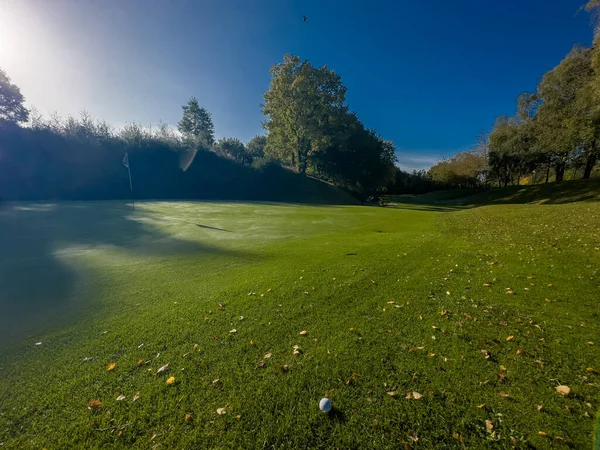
(299, 103)
(196, 123)
(11, 101)
(560, 116)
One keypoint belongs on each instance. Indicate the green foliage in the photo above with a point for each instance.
(466, 169)
(256, 146)
(196, 124)
(11, 101)
(233, 148)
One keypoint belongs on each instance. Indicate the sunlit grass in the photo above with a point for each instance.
(394, 301)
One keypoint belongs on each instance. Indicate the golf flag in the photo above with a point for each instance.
(126, 160)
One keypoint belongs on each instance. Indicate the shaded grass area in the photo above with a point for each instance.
(548, 193)
(394, 301)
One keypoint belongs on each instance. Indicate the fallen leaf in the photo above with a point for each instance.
(303, 333)
(352, 330)
(539, 407)
(589, 343)
(416, 395)
(501, 377)
(510, 338)
(238, 417)
(268, 355)
(196, 346)
(233, 331)
(188, 417)
(487, 284)
(352, 379)
(503, 368)
(509, 292)
(432, 354)
(480, 406)
(261, 364)
(170, 380)
(140, 362)
(163, 368)
(504, 394)
(485, 353)
(93, 404)
(489, 425)
(563, 389)
(111, 367)
(120, 398)
(413, 436)
(447, 292)
(392, 393)
(542, 433)
(221, 306)
(548, 300)
(136, 396)
(221, 411)
(185, 355)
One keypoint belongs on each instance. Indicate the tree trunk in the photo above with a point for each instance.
(590, 163)
(302, 155)
(548, 172)
(560, 172)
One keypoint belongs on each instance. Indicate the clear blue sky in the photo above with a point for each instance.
(428, 75)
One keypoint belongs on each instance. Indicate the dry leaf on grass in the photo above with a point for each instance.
(352, 379)
(563, 389)
(480, 406)
(539, 407)
(268, 355)
(413, 436)
(489, 425)
(392, 393)
(303, 333)
(188, 417)
(111, 367)
(504, 394)
(93, 404)
(233, 331)
(136, 396)
(163, 368)
(510, 338)
(221, 411)
(120, 398)
(416, 395)
(170, 380)
(261, 364)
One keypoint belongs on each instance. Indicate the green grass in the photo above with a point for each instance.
(96, 280)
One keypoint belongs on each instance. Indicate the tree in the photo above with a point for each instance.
(256, 146)
(11, 101)
(196, 124)
(233, 148)
(299, 103)
(561, 117)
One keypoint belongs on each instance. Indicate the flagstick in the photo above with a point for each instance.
(131, 186)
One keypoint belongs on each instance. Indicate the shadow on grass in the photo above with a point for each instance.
(544, 194)
(213, 228)
(37, 286)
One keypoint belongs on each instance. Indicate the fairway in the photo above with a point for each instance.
(426, 326)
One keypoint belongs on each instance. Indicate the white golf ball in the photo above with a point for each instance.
(325, 405)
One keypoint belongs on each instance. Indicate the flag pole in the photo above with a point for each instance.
(126, 164)
(131, 188)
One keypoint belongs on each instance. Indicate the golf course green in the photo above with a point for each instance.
(429, 324)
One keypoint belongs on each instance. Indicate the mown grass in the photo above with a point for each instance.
(395, 300)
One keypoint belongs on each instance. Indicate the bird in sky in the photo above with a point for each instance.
(305, 18)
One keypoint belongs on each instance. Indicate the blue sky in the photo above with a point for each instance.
(429, 75)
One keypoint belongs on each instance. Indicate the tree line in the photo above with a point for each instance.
(309, 133)
(555, 130)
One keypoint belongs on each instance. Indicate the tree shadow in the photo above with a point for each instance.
(38, 288)
(213, 228)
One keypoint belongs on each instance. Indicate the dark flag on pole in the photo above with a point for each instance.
(126, 164)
